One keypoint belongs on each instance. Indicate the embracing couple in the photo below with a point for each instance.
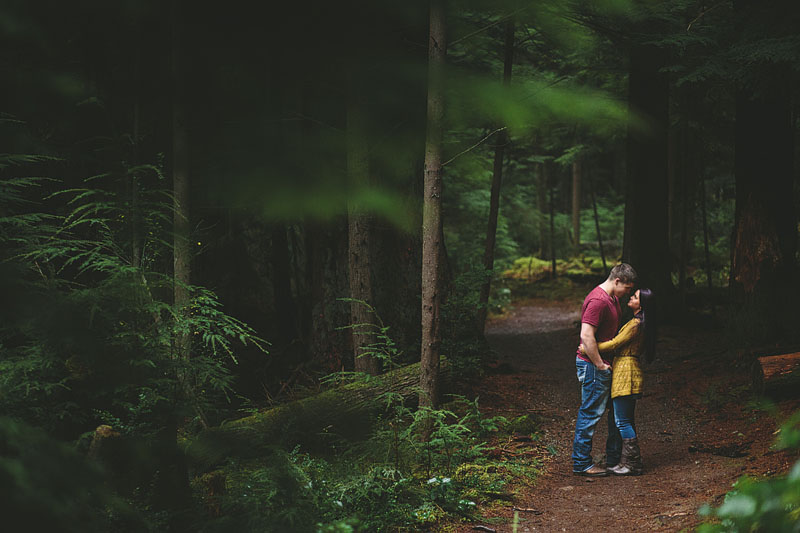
(608, 365)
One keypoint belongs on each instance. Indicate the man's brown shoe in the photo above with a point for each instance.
(593, 471)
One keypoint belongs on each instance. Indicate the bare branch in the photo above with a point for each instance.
(498, 130)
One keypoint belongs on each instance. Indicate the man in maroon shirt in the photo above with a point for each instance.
(599, 322)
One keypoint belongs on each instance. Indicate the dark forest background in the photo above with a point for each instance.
(203, 206)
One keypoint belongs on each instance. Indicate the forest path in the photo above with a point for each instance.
(688, 415)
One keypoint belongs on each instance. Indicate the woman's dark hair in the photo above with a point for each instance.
(648, 314)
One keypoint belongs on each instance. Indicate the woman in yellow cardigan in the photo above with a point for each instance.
(636, 340)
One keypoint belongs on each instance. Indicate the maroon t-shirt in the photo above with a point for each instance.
(601, 311)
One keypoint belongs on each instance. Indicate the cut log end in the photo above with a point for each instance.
(777, 375)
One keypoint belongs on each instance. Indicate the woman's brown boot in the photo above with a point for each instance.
(631, 462)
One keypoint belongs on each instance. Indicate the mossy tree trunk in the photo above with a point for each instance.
(346, 412)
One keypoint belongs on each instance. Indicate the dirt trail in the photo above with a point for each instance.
(689, 414)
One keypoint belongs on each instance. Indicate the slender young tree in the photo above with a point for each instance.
(553, 271)
(432, 210)
(542, 207)
(358, 224)
(172, 487)
(180, 184)
(576, 206)
(497, 180)
(281, 283)
(597, 225)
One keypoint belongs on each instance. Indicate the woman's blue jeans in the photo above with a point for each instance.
(624, 407)
(595, 393)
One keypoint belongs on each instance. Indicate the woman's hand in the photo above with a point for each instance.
(583, 349)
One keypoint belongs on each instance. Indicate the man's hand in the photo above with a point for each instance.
(590, 346)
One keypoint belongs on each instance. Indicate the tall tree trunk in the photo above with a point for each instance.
(673, 164)
(706, 255)
(686, 178)
(136, 245)
(180, 188)
(358, 224)
(285, 311)
(553, 271)
(171, 489)
(597, 226)
(765, 231)
(497, 180)
(576, 207)
(645, 244)
(763, 269)
(542, 208)
(432, 211)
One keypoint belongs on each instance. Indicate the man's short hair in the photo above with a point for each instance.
(624, 272)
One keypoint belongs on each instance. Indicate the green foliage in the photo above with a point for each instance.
(274, 494)
(412, 472)
(382, 347)
(88, 336)
(462, 343)
(356, 489)
(104, 339)
(525, 425)
(466, 212)
(761, 505)
(789, 435)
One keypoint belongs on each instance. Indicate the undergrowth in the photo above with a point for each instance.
(418, 468)
(366, 488)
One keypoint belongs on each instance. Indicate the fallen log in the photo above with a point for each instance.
(777, 375)
(345, 412)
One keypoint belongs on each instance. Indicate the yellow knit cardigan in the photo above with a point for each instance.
(627, 346)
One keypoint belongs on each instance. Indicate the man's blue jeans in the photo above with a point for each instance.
(595, 393)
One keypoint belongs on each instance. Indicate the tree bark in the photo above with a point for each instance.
(775, 375)
(553, 271)
(686, 188)
(597, 227)
(706, 254)
(171, 489)
(576, 207)
(358, 226)
(432, 211)
(180, 189)
(542, 208)
(646, 213)
(497, 180)
(285, 309)
(765, 221)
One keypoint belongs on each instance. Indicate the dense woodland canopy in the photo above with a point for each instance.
(203, 208)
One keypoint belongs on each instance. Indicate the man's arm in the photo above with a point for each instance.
(590, 346)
